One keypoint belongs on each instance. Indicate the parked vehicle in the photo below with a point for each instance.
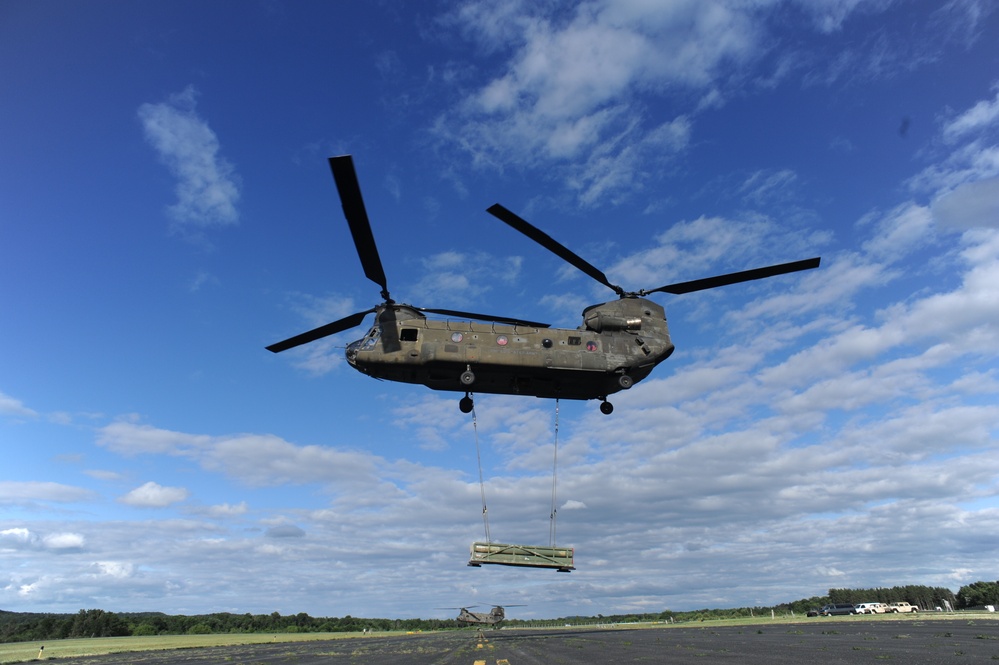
(902, 607)
(871, 608)
(837, 609)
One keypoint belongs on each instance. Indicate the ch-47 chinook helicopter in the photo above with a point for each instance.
(618, 344)
(493, 618)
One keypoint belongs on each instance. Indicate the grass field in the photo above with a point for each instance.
(19, 652)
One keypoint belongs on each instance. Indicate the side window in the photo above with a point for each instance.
(408, 335)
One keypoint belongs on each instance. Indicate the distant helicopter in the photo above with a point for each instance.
(618, 344)
(493, 618)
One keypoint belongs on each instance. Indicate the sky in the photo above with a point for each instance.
(167, 211)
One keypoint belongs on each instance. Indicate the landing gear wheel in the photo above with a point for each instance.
(625, 381)
(466, 404)
(606, 408)
(467, 378)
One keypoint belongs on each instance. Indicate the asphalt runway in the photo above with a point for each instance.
(815, 642)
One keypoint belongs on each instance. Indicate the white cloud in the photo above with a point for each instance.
(29, 491)
(970, 205)
(907, 227)
(255, 459)
(228, 510)
(207, 185)
(65, 541)
(829, 15)
(14, 407)
(21, 538)
(115, 569)
(982, 115)
(16, 538)
(768, 185)
(570, 91)
(130, 438)
(154, 495)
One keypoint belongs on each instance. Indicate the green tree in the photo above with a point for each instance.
(98, 623)
(978, 594)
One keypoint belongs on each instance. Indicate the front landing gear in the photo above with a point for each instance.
(606, 407)
(466, 404)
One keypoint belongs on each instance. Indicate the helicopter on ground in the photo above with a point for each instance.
(618, 344)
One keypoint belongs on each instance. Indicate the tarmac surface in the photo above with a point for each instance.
(816, 642)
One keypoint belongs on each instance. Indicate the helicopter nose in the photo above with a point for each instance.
(351, 352)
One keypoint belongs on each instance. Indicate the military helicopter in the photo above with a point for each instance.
(618, 344)
(493, 618)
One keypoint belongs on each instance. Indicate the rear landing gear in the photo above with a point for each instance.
(466, 404)
(606, 407)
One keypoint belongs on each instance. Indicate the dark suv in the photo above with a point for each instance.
(838, 608)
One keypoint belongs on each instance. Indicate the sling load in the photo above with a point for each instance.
(527, 556)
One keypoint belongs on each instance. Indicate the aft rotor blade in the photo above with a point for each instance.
(737, 277)
(552, 245)
(357, 217)
(322, 331)
(485, 317)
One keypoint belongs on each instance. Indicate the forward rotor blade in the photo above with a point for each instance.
(357, 217)
(320, 332)
(549, 243)
(737, 277)
(485, 317)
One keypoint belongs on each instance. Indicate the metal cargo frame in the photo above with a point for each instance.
(529, 556)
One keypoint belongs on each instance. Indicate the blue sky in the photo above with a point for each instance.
(166, 211)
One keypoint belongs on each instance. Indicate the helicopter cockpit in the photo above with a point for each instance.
(367, 342)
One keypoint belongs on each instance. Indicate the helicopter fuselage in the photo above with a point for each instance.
(619, 344)
(478, 618)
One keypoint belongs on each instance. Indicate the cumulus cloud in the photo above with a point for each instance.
(16, 538)
(571, 89)
(21, 538)
(207, 185)
(154, 495)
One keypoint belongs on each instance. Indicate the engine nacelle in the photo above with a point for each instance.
(601, 321)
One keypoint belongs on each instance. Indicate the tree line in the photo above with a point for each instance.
(27, 626)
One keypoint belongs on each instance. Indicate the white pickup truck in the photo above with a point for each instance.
(902, 607)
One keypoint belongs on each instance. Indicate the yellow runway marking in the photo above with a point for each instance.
(502, 661)
(480, 662)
